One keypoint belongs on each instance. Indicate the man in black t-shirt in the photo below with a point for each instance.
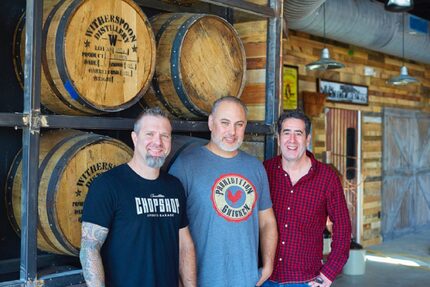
(135, 228)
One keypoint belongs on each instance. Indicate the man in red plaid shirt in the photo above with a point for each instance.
(304, 192)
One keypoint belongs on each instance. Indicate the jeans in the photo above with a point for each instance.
(275, 284)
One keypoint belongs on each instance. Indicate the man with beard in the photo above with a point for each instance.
(228, 203)
(304, 192)
(135, 229)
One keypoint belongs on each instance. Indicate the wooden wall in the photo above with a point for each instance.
(253, 36)
(300, 49)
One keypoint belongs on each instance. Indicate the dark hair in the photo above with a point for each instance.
(295, 114)
(228, 99)
(156, 112)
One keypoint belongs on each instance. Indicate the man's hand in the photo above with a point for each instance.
(320, 281)
(265, 274)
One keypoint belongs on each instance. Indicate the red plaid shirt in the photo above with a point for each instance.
(301, 212)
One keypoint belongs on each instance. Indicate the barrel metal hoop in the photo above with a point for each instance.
(60, 59)
(10, 180)
(42, 167)
(165, 25)
(17, 49)
(56, 172)
(9, 190)
(155, 85)
(47, 73)
(175, 66)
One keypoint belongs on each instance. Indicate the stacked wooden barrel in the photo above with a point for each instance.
(97, 56)
(69, 160)
(200, 58)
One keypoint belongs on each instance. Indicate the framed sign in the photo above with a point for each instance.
(343, 92)
(290, 84)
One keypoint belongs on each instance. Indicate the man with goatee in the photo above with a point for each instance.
(228, 203)
(135, 228)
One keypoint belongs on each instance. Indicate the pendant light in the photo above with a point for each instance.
(403, 78)
(324, 62)
(399, 5)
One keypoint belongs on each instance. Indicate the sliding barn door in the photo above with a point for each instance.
(406, 172)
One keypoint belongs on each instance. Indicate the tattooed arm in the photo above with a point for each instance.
(93, 237)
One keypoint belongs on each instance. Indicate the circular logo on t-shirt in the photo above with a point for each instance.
(233, 197)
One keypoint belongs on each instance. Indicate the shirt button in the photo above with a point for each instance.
(292, 191)
(280, 259)
(283, 242)
(286, 225)
(285, 174)
(288, 208)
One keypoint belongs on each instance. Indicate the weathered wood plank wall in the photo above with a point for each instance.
(300, 49)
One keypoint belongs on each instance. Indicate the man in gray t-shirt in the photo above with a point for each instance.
(228, 203)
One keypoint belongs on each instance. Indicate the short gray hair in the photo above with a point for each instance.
(156, 112)
(230, 99)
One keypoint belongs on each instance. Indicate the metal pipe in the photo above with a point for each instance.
(360, 182)
(361, 23)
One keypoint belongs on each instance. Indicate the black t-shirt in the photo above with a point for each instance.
(143, 218)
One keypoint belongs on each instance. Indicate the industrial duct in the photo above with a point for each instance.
(361, 23)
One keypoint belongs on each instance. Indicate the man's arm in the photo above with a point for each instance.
(93, 237)
(187, 259)
(341, 236)
(268, 242)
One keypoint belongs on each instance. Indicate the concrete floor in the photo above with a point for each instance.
(413, 249)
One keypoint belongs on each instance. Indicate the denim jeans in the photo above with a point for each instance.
(275, 284)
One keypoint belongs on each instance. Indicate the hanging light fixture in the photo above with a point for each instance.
(399, 5)
(324, 62)
(403, 78)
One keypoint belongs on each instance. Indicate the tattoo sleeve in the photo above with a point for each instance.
(93, 237)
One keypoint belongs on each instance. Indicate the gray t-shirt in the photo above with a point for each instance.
(224, 196)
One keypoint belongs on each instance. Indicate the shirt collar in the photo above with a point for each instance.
(314, 162)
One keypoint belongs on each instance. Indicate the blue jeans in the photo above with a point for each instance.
(275, 284)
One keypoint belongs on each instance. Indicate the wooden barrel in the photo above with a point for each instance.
(180, 144)
(97, 55)
(200, 58)
(69, 161)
